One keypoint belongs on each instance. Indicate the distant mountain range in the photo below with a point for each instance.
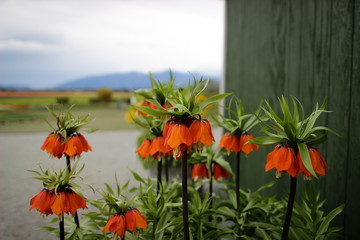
(128, 81)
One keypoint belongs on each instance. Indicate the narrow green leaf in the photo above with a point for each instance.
(266, 140)
(305, 157)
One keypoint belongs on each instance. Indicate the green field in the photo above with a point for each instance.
(27, 114)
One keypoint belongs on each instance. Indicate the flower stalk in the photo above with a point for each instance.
(289, 208)
(237, 177)
(166, 169)
(76, 217)
(61, 227)
(211, 189)
(159, 166)
(184, 195)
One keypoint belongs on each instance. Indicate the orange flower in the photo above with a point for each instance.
(67, 201)
(158, 148)
(317, 161)
(200, 131)
(134, 219)
(219, 172)
(43, 201)
(246, 146)
(166, 128)
(54, 144)
(119, 223)
(283, 159)
(144, 104)
(178, 138)
(200, 170)
(144, 149)
(75, 145)
(230, 143)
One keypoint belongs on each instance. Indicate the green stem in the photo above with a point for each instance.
(76, 217)
(166, 169)
(289, 208)
(237, 179)
(211, 190)
(159, 165)
(61, 227)
(184, 195)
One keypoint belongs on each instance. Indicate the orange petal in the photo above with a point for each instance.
(130, 218)
(69, 147)
(140, 220)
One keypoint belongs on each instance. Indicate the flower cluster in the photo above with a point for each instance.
(283, 159)
(120, 222)
(64, 201)
(238, 143)
(177, 137)
(200, 170)
(72, 146)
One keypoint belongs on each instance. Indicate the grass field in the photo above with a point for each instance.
(26, 111)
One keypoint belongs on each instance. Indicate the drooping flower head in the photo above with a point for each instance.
(122, 216)
(67, 201)
(283, 159)
(158, 148)
(182, 108)
(43, 201)
(219, 172)
(246, 146)
(236, 139)
(317, 162)
(178, 138)
(144, 149)
(200, 170)
(66, 140)
(201, 133)
(294, 136)
(60, 194)
(230, 143)
(119, 222)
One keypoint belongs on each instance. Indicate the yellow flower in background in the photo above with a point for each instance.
(130, 116)
(202, 98)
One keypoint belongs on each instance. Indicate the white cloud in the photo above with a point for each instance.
(88, 37)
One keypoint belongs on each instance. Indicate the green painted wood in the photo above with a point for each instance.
(308, 49)
(352, 211)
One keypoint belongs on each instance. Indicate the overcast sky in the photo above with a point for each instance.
(44, 43)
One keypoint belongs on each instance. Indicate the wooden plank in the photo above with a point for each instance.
(352, 211)
(339, 102)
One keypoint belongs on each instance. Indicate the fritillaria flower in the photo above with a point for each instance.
(283, 159)
(201, 133)
(246, 146)
(119, 222)
(47, 202)
(75, 145)
(54, 144)
(200, 170)
(178, 138)
(219, 172)
(230, 143)
(158, 148)
(43, 201)
(317, 161)
(144, 149)
(67, 201)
